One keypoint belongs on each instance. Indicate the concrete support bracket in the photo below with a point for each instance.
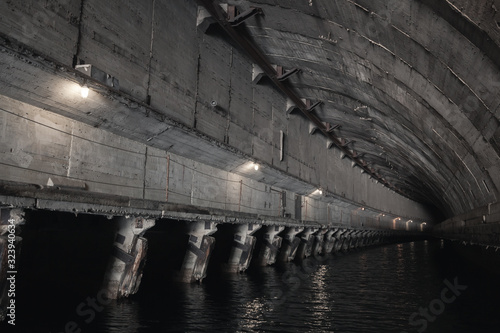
(204, 19)
(124, 272)
(243, 246)
(347, 238)
(271, 245)
(318, 240)
(306, 243)
(200, 247)
(338, 239)
(328, 241)
(257, 73)
(290, 244)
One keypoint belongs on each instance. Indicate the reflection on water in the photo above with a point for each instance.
(372, 290)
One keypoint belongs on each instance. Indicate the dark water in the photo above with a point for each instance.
(380, 289)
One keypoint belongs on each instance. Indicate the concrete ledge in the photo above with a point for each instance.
(77, 201)
(30, 196)
(479, 226)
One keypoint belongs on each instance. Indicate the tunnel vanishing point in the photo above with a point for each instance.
(327, 125)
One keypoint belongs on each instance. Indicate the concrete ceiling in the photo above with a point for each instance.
(414, 84)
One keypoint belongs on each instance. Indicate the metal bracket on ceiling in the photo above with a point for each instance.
(282, 75)
(330, 128)
(235, 19)
(312, 128)
(257, 73)
(344, 142)
(290, 106)
(310, 107)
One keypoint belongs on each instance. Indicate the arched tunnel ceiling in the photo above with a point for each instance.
(415, 85)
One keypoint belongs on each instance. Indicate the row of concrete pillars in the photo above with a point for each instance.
(278, 243)
(124, 272)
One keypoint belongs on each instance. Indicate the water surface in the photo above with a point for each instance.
(379, 289)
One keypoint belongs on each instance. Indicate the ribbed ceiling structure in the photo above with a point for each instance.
(415, 86)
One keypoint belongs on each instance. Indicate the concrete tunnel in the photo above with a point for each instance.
(288, 128)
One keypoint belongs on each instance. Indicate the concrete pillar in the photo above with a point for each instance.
(290, 244)
(370, 238)
(306, 242)
(124, 272)
(242, 249)
(329, 241)
(361, 238)
(358, 240)
(271, 245)
(338, 237)
(200, 247)
(366, 238)
(346, 244)
(383, 237)
(10, 245)
(355, 238)
(318, 240)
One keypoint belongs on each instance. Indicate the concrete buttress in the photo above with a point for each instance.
(347, 238)
(271, 245)
(318, 241)
(338, 237)
(124, 272)
(242, 248)
(290, 244)
(306, 243)
(329, 241)
(200, 247)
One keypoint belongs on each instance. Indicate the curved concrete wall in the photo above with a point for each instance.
(480, 226)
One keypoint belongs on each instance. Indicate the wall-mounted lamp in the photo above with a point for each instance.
(256, 166)
(98, 75)
(85, 90)
(320, 191)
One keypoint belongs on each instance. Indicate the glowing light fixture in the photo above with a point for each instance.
(256, 166)
(85, 91)
(320, 191)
